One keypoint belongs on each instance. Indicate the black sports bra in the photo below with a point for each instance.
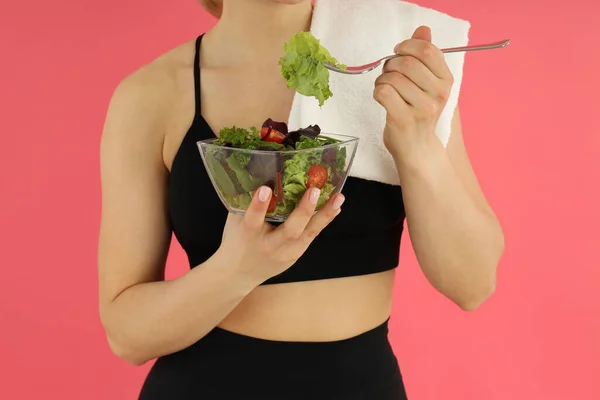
(363, 239)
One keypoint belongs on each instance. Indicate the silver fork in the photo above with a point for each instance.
(361, 69)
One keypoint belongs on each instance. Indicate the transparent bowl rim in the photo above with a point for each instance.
(345, 140)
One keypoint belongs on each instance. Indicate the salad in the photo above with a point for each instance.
(289, 162)
(303, 69)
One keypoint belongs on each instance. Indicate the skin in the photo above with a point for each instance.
(457, 238)
(146, 317)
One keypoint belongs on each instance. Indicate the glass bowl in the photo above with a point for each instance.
(237, 173)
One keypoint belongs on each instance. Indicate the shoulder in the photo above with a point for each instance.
(145, 96)
(142, 102)
(154, 84)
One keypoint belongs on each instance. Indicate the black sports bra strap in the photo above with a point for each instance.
(197, 75)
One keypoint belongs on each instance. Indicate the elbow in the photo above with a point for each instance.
(126, 352)
(122, 344)
(474, 299)
(479, 292)
(473, 303)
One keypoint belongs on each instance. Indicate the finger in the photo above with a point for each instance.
(326, 214)
(293, 227)
(411, 93)
(414, 70)
(386, 95)
(422, 33)
(428, 54)
(256, 212)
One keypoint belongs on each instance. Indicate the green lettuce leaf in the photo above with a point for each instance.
(293, 182)
(340, 159)
(241, 138)
(237, 137)
(303, 69)
(237, 163)
(240, 201)
(326, 191)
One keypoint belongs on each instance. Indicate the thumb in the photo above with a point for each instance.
(422, 33)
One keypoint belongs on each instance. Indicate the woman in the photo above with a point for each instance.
(297, 311)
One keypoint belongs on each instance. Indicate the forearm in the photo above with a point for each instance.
(458, 241)
(153, 319)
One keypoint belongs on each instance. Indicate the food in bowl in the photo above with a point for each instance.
(241, 160)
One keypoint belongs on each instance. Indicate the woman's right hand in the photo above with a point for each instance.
(260, 250)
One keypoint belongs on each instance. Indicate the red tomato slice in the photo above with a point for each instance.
(279, 188)
(317, 176)
(272, 204)
(274, 136)
(264, 132)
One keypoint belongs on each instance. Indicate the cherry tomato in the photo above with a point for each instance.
(274, 136)
(264, 131)
(317, 176)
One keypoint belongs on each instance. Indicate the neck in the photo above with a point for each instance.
(254, 31)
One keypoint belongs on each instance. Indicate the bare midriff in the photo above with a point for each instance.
(325, 310)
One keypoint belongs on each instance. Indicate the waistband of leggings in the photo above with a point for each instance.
(236, 363)
(248, 342)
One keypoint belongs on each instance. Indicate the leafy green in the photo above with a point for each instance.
(237, 163)
(305, 142)
(293, 191)
(240, 201)
(241, 138)
(308, 143)
(224, 183)
(327, 140)
(295, 171)
(294, 179)
(241, 159)
(303, 69)
(340, 159)
(285, 207)
(236, 137)
(216, 154)
(326, 191)
(260, 143)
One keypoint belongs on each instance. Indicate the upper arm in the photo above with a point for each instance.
(461, 163)
(134, 230)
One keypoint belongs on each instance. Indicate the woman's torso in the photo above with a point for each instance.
(315, 310)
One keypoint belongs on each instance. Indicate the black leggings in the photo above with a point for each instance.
(224, 365)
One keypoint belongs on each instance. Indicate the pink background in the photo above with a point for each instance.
(530, 124)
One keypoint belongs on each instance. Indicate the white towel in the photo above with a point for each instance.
(357, 32)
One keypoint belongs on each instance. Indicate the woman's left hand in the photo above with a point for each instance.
(414, 90)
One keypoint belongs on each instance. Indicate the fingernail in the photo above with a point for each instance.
(314, 195)
(337, 203)
(263, 193)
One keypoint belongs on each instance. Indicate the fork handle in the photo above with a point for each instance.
(488, 46)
